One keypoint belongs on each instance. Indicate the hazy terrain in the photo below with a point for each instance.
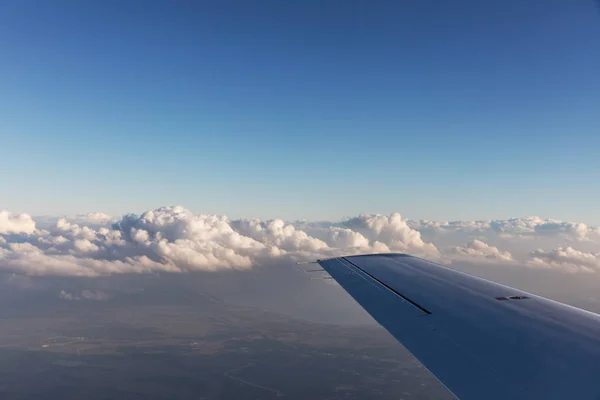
(164, 338)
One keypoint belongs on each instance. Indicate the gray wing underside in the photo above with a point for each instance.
(482, 340)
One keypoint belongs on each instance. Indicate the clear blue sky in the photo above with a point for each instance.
(315, 109)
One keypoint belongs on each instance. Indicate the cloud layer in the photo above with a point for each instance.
(173, 239)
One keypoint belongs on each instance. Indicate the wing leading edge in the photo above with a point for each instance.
(482, 340)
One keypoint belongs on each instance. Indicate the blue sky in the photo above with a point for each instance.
(319, 110)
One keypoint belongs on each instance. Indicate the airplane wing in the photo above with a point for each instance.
(482, 340)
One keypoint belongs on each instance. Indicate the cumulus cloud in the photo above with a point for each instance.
(276, 233)
(577, 231)
(16, 223)
(173, 239)
(390, 233)
(477, 248)
(567, 259)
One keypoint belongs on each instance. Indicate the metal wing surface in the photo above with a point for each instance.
(482, 340)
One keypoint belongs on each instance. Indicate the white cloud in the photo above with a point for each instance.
(392, 231)
(66, 295)
(577, 231)
(94, 217)
(477, 248)
(277, 233)
(567, 259)
(346, 238)
(94, 295)
(16, 223)
(512, 227)
(173, 239)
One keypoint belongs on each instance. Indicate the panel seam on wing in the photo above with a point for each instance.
(391, 289)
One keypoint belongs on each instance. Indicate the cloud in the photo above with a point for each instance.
(477, 248)
(577, 231)
(512, 227)
(91, 220)
(566, 259)
(276, 233)
(16, 223)
(175, 240)
(94, 295)
(390, 232)
(66, 295)
(94, 218)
